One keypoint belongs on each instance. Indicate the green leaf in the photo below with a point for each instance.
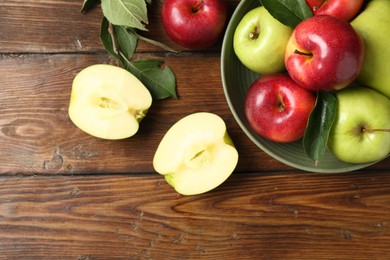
(129, 13)
(125, 41)
(161, 82)
(106, 38)
(288, 12)
(121, 44)
(88, 5)
(319, 125)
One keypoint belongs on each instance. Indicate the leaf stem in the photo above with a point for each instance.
(156, 43)
(112, 34)
(115, 46)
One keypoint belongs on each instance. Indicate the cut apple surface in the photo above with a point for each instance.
(196, 154)
(108, 102)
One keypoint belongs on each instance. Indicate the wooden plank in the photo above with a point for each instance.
(59, 26)
(283, 216)
(37, 135)
(79, 197)
(40, 138)
(48, 26)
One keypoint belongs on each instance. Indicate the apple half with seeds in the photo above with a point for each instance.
(108, 102)
(196, 154)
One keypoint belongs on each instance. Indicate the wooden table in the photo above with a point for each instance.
(67, 195)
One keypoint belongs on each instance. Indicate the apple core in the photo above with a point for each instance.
(108, 102)
(196, 154)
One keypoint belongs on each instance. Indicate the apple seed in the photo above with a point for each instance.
(107, 103)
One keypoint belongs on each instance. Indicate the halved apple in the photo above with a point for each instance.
(196, 154)
(108, 102)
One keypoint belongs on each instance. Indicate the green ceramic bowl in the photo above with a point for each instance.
(236, 79)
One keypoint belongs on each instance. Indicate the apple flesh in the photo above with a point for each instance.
(277, 108)
(345, 10)
(260, 41)
(361, 131)
(196, 154)
(194, 24)
(373, 24)
(108, 102)
(324, 53)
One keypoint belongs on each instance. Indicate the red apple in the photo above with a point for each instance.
(342, 9)
(194, 24)
(324, 53)
(277, 108)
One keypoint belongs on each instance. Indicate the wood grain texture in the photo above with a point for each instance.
(38, 136)
(67, 195)
(262, 216)
(48, 26)
(59, 26)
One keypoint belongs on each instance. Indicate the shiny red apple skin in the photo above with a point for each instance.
(345, 10)
(277, 108)
(324, 53)
(194, 24)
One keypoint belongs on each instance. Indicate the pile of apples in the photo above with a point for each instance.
(344, 42)
(196, 154)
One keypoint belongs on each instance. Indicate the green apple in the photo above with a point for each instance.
(361, 131)
(108, 102)
(260, 41)
(196, 154)
(373, 24)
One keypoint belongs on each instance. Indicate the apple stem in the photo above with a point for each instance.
(369, 130)
(197, 7)
(281, 105)
(315, 8)
(254, 35)
(254, 32)
(303, 53)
